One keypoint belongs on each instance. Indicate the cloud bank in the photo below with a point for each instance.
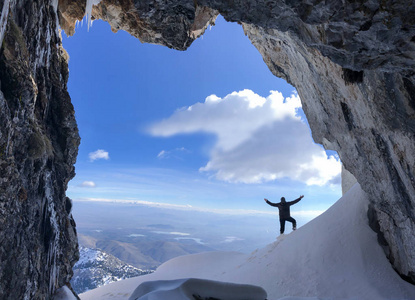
(258, 139)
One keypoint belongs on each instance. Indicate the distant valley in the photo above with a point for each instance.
(146, 249)
(131, 240)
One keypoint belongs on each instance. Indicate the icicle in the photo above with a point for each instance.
(55, 5)
(3, 20)
(88, 10)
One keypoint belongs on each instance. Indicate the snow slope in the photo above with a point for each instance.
(334, 256)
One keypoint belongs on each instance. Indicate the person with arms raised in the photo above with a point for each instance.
(284, 209)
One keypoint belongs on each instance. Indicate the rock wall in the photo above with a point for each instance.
(352, 63)
(368, 117)
(38, 147)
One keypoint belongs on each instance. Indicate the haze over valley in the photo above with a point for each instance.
(146, 236)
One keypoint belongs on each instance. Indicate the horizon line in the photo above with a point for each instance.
(183, 207)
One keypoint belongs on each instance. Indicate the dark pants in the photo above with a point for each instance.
(282, 223)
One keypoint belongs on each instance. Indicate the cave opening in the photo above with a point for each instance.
(354, 72)
(174, 141)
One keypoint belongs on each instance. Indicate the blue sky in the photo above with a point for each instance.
(198, 128)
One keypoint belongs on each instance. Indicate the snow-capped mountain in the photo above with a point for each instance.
(96, 268)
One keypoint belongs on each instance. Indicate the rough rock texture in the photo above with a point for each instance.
(368, 117)
(38, 147)
(352, 63)
(70, 12)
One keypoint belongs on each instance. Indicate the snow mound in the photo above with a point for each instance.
(192, 288)
(64, 293)
(335, 256)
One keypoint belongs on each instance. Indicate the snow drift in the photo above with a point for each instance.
(334, 256)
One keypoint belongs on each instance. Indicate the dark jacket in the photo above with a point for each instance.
(284, 207)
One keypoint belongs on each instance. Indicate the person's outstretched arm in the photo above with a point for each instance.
(296, 200)
(270, 203)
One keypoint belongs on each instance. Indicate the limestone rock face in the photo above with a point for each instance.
(38, 147)
(368, 117)
(352, 63)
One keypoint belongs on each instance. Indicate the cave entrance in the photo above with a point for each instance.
(171, 138)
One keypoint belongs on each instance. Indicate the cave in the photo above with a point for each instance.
(352, 64)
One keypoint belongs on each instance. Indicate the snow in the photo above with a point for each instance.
(334, 256)
(88, 256)
(64, 293)
(348, 180)
(203, 289)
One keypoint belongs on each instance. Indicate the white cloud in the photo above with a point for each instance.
(135, 235)
(174, 153)
(231, 239)
(162, 154)
(99, 154)
(258, 139)
(172, 233)
(89, 184)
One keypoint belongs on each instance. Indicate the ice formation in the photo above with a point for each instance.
(88, 10)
